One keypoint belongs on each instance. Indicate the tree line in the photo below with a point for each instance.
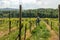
(43, 13)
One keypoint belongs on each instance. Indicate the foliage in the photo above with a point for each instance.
(43, 13)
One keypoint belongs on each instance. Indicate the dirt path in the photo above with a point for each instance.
(3, 33)
(28, 33)
(54, 36)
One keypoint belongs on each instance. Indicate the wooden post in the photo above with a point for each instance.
(30, 21)
(47, 19)
(30, 25)
(59, 21)
(51, 21)
(17, 23)
(25, 32)
(51, 25)
(20, 17)
(9, 24)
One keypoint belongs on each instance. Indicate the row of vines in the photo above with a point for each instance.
(40, 32)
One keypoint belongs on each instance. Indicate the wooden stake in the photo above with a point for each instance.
(9, 24)
(51, 25)
(51, 21)
(59, 21)
(30, 21)
(25, 31)
(20, 17)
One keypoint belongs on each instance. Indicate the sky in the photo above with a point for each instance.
(29, 4)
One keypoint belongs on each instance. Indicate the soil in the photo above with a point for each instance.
(54, 36)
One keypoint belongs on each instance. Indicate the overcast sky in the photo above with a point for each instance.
(29, 4)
